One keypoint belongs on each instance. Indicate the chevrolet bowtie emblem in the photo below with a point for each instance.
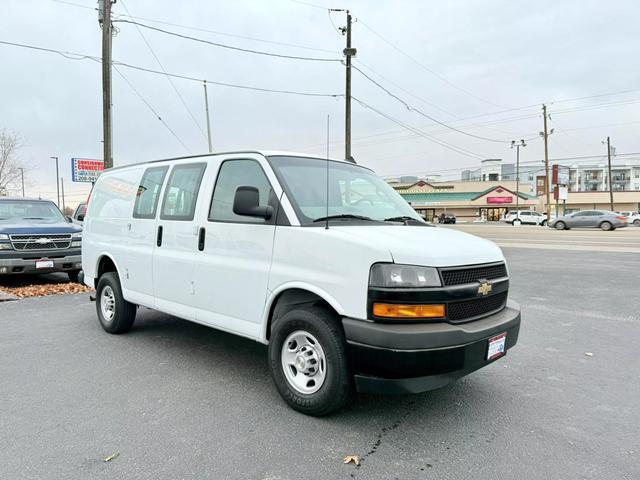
(484, 289)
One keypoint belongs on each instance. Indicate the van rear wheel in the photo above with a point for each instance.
(116, 315)
(308, 360)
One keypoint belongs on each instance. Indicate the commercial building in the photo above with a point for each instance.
(489, 191)
(468, 201)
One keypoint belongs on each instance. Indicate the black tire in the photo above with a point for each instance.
(636, 223)
(124, 313)
(74, 276)
(337, 387)
(543, 223)
(516, 222)
(560, 226)
(606, 226)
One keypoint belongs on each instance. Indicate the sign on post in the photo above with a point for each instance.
(85, 169)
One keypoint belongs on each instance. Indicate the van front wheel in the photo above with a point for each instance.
(308, 360)
(116, 315)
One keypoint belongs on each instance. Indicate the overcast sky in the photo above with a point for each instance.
(463, 59)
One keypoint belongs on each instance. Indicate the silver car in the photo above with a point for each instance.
(590, 218)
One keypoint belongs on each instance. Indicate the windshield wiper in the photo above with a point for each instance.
(405, 219)
(33, 218)
(345, 216)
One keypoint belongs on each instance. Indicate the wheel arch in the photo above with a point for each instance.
(287, 297)
(105, 263)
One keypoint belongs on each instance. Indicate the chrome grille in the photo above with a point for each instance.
(54, 241)
(461, 276)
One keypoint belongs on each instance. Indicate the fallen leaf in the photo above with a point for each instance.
(352, 458)
(588, 354)
(111, 457)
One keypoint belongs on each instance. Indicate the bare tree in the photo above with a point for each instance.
(9, 161)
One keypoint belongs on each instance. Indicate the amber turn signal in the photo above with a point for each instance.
(392, 310)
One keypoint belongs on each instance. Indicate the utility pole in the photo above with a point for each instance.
(517, 146)
(57, 180)
(62, 184)
(206, 108)
(22, 178)
(547, 188)
(104, 19)
(610, 176)
(348, 52)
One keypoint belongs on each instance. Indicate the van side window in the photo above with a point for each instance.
(148, 192)
(233, 174)
(181, 193)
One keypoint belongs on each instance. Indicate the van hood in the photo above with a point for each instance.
(427, 246)
(32, 228)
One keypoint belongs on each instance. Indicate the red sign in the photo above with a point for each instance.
(499, 199)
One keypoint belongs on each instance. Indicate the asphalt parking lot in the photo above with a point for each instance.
(178, 400)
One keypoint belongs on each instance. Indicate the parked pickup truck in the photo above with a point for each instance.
(36, 238)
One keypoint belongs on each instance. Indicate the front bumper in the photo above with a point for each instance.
(16, 263)
(412, 358)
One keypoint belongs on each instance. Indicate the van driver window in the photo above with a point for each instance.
(233, 174)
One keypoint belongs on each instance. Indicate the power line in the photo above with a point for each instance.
(79, 56)
(230, 47)
(153, 110)
(424, 67)
(75, 4)
(420, 112)
(534, 164)
(201, 29)
(308, 4)
(454, 148)
(182, 100)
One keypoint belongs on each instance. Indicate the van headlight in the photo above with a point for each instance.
(390, 275)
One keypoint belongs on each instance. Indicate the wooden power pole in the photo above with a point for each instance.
(546, 165)
(348, 52)
(104, 18)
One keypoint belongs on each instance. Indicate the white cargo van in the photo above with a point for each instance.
(320, 259)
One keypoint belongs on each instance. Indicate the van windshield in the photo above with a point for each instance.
(354, 193)
(27, 211)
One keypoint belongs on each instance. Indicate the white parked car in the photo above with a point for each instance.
(525, 217)
(633, 218)
(321, 260)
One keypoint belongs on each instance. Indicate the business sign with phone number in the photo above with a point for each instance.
(85, 169)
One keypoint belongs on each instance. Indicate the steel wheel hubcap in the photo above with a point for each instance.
(108, 303)
(303, 362)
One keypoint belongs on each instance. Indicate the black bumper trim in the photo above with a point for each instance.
(414, 361)
(419, 336)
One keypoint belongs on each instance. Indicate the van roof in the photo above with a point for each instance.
(265, 153)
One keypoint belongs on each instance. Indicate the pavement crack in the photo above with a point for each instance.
(381, 435)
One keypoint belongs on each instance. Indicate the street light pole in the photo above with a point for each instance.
(57, 180)
(22, 178)
(517, 147)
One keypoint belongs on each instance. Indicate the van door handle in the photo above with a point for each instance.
(159, 236)
(201, 235)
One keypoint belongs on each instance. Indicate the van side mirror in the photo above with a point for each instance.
(247, 203)
(80, 218)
